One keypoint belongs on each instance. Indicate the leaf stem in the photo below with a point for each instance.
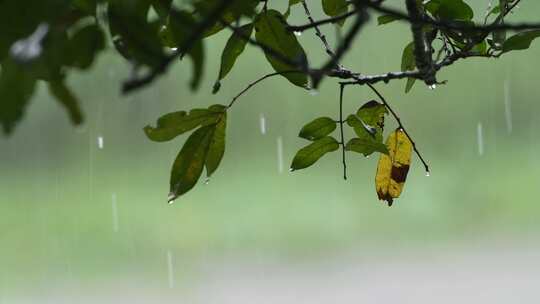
(341, 122)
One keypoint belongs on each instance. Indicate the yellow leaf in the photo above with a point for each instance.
(393, 168)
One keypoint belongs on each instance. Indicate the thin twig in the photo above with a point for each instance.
(255, 83)
(341, 122)
(301, 28)
(400, 124)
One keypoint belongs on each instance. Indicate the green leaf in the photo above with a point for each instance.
(179, 26)
(408, 63)
(366, 146)
(335, 8)
(141, 45)
(318, 128)
(16, 88)
(310, 154)
(450, 9)
(217, 146)
(67, 99)
(84, 46)
(291, 4)
(271, 31)
(385, 19)
(189, 163)
(520, 41)
(234, 47)
(372, 113)
(368, 124)
(173, 124)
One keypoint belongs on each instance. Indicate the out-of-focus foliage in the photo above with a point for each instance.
(44, 41)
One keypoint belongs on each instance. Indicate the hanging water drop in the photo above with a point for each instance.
(100, 142)
(428, 174)
(170, 198)
(313, 92)
(432, 87)
(297, 33)
(207, 181)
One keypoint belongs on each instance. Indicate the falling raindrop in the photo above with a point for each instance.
(297, 33)
(30, 48)
(480, 138)
(280, 154)
(262, 123)
(170, 269)
(114, 213)
(507, 106)
(100, 142)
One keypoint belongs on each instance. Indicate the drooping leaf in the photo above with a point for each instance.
(450, 9)
(366, 145)
(84, 46)
(318, 128)
(335, 8)
(67, 99)
(141, 45)
(520, 41)
(271, 31)
(234, 47)
(368, 124)
(311, 153)
(392, 169)
(16, 89)
(217, 146)
(180, 23)
(385, 19)
(173, 124)
(189, 163)
(408, 63)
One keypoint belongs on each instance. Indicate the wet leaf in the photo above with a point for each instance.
(179, 25)
(318, 128)
(311, 153)
(271, 31)
(234, 47)
(16, 88)
(67, 99)
(84, 46)
(408, 63)
(385, 19)
(520, 41)
(189, 163)
(143, 45)
(366, 146)
(216, 149)
(173, 124)
(335, 8)
(450, 9)
(393, 168)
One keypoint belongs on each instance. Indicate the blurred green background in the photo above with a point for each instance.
(80, 219)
